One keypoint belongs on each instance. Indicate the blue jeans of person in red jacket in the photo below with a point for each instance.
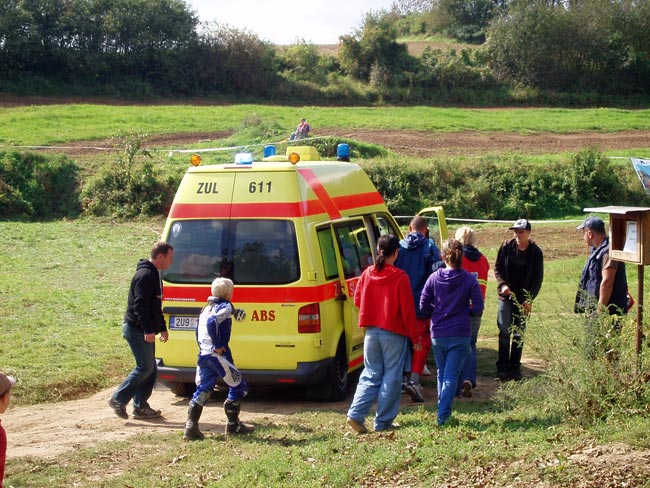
(381, 380)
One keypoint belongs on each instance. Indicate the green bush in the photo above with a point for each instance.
(132, 186)
(582, 387)
(506, 189)
(37, 186)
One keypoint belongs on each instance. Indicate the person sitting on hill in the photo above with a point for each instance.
(302, 131)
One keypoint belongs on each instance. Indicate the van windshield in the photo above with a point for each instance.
(260, 251)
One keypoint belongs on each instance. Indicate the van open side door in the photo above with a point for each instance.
(437, 224)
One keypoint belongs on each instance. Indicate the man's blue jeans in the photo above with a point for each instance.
(450, 354)
(469, 369)
(140, 382)
(381, 379)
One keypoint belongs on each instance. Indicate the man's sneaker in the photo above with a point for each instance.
(393, 426)
(502, 375)
(467, 389)
(516, 375)
(357, 427)
(425, 371)
(145, 413)
(415, 391)
(118, 408)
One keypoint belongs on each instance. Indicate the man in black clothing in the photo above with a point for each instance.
(142, 321)
(519, 271)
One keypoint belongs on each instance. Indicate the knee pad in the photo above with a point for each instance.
(202, 398)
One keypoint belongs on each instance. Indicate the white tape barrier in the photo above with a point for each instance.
(171, 152)
(485, 221)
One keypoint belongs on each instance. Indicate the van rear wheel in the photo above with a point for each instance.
(182, 389)
(337, 384)
(340, 377)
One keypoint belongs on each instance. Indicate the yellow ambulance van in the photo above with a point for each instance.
(294, 236)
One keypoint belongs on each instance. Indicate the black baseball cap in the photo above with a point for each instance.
(594, 223)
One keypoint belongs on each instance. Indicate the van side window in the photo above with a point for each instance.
(327, 251)
(354, 247)
(386, 227)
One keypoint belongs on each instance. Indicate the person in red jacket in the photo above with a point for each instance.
(477, 265)
(387, 311)
(6, 382)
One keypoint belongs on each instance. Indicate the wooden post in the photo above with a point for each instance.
(639, 315)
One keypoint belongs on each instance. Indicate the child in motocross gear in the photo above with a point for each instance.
(215, 361)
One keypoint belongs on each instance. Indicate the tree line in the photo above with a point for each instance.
(594, 48)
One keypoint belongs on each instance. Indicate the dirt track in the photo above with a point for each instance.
(32, 431)
(429, 144)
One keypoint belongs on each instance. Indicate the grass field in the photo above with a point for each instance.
(55, 124)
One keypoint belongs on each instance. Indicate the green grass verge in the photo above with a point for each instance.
(63, 295)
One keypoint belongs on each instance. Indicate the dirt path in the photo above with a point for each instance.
(48, 430)
(421, 144)
(473, 143)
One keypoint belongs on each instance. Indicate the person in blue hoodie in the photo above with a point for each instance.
(450, 295)
(418, 257)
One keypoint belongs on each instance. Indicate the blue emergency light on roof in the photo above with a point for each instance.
(269, 150)
(343, 152)
(244, 158)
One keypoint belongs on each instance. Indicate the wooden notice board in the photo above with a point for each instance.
(629, 233)
(629, 241)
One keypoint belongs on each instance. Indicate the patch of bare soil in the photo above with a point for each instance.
(81, 148)
(611, 466)
(474, 143)
(558, 240)
(417, 143)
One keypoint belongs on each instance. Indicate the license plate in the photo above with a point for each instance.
(183, 323)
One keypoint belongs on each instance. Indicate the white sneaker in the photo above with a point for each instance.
(425, 371)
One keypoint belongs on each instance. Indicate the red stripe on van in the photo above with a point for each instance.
(276, 209)
(285, 295)
(355, 362)
(317, 187)
(245, 210)
(359, 200)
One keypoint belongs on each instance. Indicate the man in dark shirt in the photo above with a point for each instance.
(519, 271)
(603, 282)
(142, 321)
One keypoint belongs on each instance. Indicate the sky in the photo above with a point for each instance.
(286, 21)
